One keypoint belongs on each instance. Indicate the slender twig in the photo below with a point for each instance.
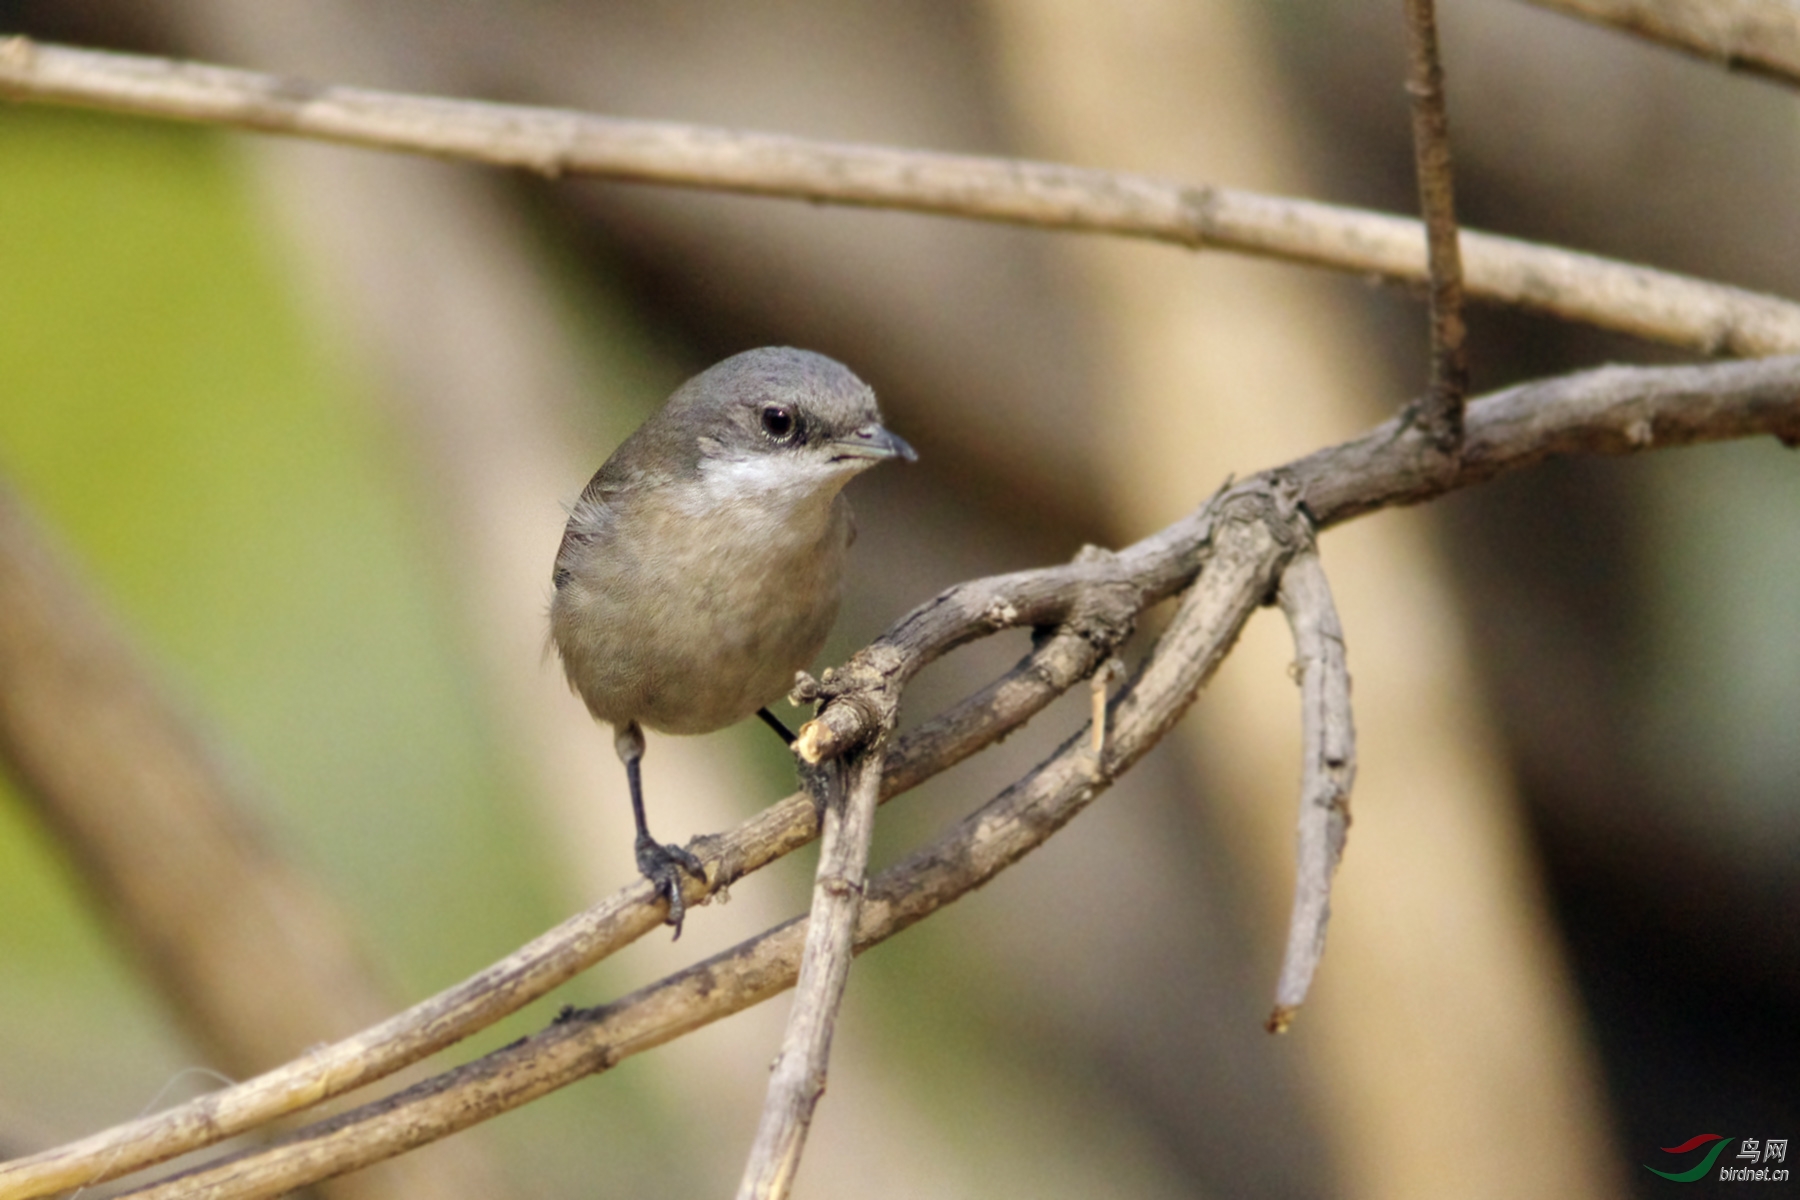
(797, 1079)
(1761, 37)
(1659, 306)
(1090, 603)
(1104, 677)
(1328, 767)
(1441, 414)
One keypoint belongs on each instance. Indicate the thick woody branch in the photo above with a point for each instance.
(1761, 37)
(1705, 317)
(1609, 411)
(1441, 413)
(1328, 767)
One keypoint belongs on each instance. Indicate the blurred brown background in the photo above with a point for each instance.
(304, 418)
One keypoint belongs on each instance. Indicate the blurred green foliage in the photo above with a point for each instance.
(1720, 699)
(222, 482)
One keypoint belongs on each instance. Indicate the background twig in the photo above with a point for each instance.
(1758, 36)
(1660, 306)
(255, 962)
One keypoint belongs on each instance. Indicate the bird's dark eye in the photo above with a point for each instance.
(778, 422)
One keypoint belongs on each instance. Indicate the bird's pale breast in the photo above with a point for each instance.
(652, 626)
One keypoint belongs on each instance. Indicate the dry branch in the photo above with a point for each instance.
(1441, 413)
(849, 792)
(1328, 767)
(1609, 411)
(1659, 306)
(1761, 37)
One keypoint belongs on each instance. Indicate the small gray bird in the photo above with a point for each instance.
(703, 565)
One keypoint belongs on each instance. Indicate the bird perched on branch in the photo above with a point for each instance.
(703, 565)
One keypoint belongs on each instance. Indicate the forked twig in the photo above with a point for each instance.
(1615, 410)
(1089, 604)
(1609, 411)
(1255, 528)
(1441, 413)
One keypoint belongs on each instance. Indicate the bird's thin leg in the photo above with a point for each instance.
(811, 781)
(660, 863)
(774, 722)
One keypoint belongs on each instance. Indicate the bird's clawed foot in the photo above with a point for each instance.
(662, 864)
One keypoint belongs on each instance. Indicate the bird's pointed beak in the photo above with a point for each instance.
(873, 441)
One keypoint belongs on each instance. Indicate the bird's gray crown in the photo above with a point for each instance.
(773, 400)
